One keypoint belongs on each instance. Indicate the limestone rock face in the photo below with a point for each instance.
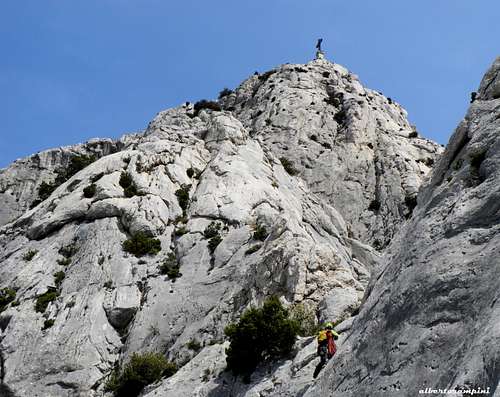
(323, 169)
(432, 314)
(354, 147)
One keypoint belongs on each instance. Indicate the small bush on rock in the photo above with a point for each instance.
(212, 230)
(47, 324)
(204, 104)
(43, 300)
(260, 233)
(7, 295)
(265, 333)
(68, 251)
(194, 345)
(288, 166)
(89, 191)
(141, 244)
(306, 320)
(58, 278)
(170, 267)
(29, 255)
(140, 371)
(213, 243)
(128, 185)
(225, 92)
(183, 197)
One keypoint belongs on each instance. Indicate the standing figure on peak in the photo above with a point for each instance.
(318, 45)
(326, 346)
(319, 52)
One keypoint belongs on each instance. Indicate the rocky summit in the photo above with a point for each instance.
(300, 184)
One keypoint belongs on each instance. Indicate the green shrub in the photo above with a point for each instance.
(47, 324)
(76, 164)
(69, 250)
(141, 244)
(260, 233)
(128, 185)
(43, 300)
(252, 249)
(265, 333)
(140, 371)
(213, 243)
(183, 197)
(45, 190)
(89, 191)
(29, 255)
(204, 104)
(225, 92)
(58, 278)
(64, 262)
(288, 166)
(194, 345)
(306, 319)
(413, 134)
(170, 267)
(7, 295)
(96, 177)
(190, 172)
(212, 230)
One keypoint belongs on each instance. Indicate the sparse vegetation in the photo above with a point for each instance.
(141, 244)
(212, 232)
(265, 76)
(190, 172)
(89, 191)
(265, 333)
(140, 371)
(183, 197)
(68, 251)
(413, 134)
(64, 262)
(288, 166)
(76, 164)
(7, 295)
(47, 324)
(170, 267)
(194, 345)
(43, 300)
(225, 92)
(252, 249)
(58, 278)
(204, 104)
(260, 233)
(213, 243)
(128, 185)
(306, 319)
(29, 255)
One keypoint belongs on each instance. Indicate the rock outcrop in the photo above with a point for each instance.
(432, 313)
(302, 178)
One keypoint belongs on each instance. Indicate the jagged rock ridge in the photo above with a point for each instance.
(358, 167)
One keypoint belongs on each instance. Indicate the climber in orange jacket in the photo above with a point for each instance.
(326, 346)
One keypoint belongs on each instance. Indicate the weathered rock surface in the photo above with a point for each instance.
(432, 311)
(355, 185)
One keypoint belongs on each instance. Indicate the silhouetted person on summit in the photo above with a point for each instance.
(318, 44)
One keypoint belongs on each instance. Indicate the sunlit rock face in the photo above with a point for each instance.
(308, 175)
(432, 314)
